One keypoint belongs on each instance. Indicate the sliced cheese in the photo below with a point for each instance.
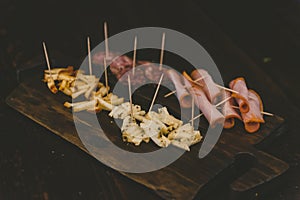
(132, 132)
(124, 110)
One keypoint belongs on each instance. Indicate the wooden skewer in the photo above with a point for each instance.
(228, 89)
(173, 92)
(220, 103)
(193, 110)
(169, 94)
(47, 59)
(134, 56)
(105, 72)
(155, 94)
(106, 40)
(262, 112)
(196, 117)
(201, 78)
(267, 113)
(130, 98)
(219, 86)
(223, 101)
(162, 51)
(89, 55)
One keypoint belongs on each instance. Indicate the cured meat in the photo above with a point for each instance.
(229, 113)
(241, 98)
(152, 71)
(210, 111)
(120, 66)
(181, 92)
(98, 58)
(209, 86)
(137, 79)
(253, 118)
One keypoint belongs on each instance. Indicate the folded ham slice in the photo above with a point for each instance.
(209, 86)
(229, 113)
(241, 98)
(210, 111)
(183, 95)
(253, 118)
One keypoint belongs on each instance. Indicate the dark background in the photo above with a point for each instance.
(35, 164)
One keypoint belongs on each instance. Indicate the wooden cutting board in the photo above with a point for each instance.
(188, 177)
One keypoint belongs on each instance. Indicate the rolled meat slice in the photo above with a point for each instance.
(229, 113)
(210, 111)
(253, 118)
(209, 86)
(241, 98)
(183, 95)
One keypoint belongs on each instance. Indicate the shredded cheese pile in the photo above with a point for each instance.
(161, 127)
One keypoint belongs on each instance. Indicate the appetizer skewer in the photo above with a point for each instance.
(50, 80)
(106, 40)
(134, 55)
(156, 91)
(162, 51)
(89, 55)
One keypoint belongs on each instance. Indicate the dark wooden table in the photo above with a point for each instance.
(35, 164)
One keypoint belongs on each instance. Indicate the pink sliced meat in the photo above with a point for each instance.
(183, 95)
(229, 113)
(241, 98)
(210, 111)
(120, 65)
(152, 71)
(137, 79)
(209, 86)
(98, 58)
(253, 118)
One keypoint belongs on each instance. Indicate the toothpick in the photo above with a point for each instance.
(169, 94)
(130, 98)
(228, 89)
(47, 59)
(193, 110)
(174, 91)
(162, 51)
(196, 117)
(262, 112)
(220, 103)
(199, 79)
(106, 40)
(134, 55)
(267, 113)
(89, 55)
(155, 94)
(105, 72)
